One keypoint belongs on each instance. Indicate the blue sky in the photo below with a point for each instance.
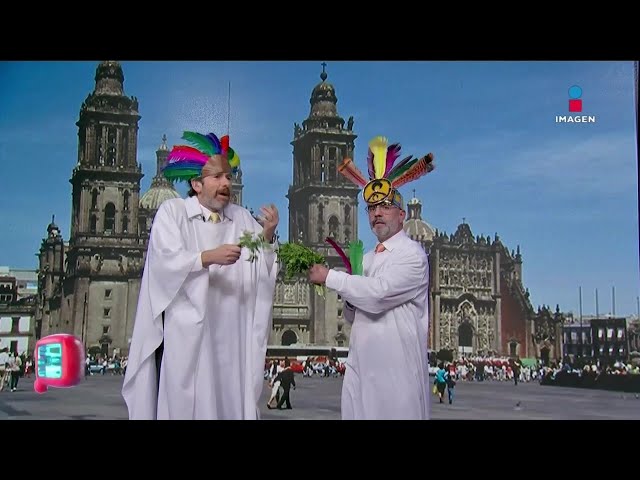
(566, 193)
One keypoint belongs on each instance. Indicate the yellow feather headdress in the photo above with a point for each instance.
(385, 176)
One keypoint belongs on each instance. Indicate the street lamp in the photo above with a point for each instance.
(84, 320)
(580, 347)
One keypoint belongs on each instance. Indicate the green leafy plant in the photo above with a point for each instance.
(294, 257)
(253, 243)
(297, 259)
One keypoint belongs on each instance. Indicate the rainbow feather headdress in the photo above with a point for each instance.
(185, 162)
(385, 176)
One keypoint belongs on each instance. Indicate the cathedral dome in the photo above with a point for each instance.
(418, 229)
(414, 226)
(161, 189)
(153, 198)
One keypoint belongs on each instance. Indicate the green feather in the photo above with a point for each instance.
(201, 142)
(356, 255)
(181, 173)
(396, 174)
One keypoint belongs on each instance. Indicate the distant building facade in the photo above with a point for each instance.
(479, 305)
(18, 290)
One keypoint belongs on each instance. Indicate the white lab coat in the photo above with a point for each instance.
(387, 372)
(217, 320)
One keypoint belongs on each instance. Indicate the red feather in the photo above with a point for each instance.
(344, 257)
(224, 142)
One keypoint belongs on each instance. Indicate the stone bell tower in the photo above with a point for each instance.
(322, 203)
(106, 252)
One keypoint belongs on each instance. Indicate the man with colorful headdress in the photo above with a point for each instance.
(204, 312)
(387, 370)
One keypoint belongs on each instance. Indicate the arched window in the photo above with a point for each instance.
(125, 224)
(125, 203)
(111, 149)
(334, 225)
(109, 218)
(332, 164)
(94, 199)
(93, 224)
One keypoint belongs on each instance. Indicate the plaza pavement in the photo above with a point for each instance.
(99, 398)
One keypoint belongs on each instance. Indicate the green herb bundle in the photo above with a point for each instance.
(297, 259)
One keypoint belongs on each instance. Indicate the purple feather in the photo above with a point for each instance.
(371, 172)
(393, 152)
(215, 141)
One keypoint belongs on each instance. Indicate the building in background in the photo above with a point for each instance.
(18, 299)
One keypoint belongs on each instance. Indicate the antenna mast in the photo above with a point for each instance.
(229, 110)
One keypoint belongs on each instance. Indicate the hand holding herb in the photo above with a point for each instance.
(295, 258)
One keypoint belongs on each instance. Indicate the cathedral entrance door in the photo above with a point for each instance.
(289, 337)
(465, 337)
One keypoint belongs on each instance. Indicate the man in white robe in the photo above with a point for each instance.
(203, 306)
(387, 369)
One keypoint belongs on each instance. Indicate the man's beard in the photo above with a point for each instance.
(217, 203)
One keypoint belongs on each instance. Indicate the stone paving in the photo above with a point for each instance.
(98, 398)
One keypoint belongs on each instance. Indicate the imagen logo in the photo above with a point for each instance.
(575, 106)
(575, 99)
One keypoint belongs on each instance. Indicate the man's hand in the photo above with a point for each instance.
(269, 221)
(223, 255)
(318, 274)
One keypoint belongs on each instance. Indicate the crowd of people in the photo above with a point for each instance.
(486, 368)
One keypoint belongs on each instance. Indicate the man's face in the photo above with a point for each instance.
(214, 186)
(385, 220)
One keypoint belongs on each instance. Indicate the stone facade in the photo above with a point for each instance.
(90, 287)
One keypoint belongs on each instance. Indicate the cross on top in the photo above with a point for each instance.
(414, 193)
(324, 64)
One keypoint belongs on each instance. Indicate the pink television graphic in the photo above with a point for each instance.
(59, 361)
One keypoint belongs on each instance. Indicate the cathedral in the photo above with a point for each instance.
(89, 285)
(478, 302)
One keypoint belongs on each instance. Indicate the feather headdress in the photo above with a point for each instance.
(385, 176)
(185, 162)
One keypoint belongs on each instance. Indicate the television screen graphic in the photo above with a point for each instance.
(60, 362)
(50, 360)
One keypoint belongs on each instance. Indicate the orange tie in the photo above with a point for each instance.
(380, 248)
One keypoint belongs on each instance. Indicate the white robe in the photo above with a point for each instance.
(387, 371)
(217, 320)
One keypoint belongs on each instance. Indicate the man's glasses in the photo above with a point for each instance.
(385, 207)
